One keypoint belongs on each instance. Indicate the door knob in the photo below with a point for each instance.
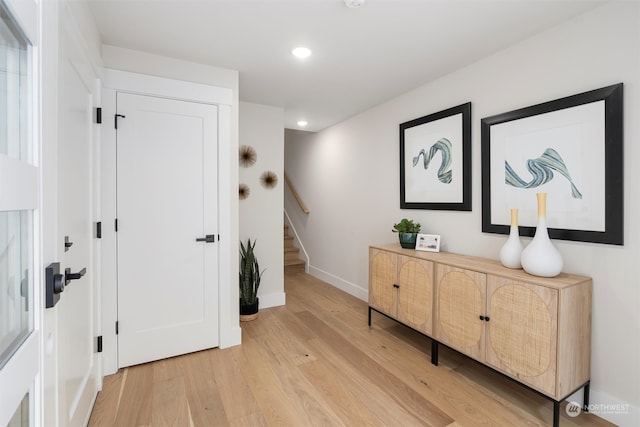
(209, 238)
(54, 284)
(69, 276)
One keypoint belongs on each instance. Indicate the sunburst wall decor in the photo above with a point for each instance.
(248, 156)
(243, 191)
(269, 179)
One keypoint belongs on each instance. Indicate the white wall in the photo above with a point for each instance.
(348, 176)
(262, 127)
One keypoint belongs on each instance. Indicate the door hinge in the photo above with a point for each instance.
(99, 344)
(116, 224)
(98, 115)
(99, 230)
(117, 327)
(115, 122)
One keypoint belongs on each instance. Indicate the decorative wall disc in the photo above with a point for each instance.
(248, 156)
(243, 191)
(269, 179)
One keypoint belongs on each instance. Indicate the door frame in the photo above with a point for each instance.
(123, 81)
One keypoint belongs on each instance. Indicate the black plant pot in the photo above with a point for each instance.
(249, 312)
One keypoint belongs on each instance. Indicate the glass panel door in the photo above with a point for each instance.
(20, 349)
(22, 416)
(16, 264)
(15, 129)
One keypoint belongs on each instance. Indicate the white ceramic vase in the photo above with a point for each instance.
(512, 249)
(540, 257)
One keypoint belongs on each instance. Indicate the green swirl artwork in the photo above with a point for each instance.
(541, 170)
(443, 146)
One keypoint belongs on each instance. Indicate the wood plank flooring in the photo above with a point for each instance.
(315, 362)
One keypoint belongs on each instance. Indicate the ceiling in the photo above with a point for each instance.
(361, 57)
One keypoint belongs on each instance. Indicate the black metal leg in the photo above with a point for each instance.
(556, 414)
(434, 352)
(587, 386)
(369, 316)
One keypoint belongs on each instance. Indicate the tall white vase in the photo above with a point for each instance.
(512, 249)
(540, 257)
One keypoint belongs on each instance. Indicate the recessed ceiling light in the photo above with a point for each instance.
(352, 4)
(302, 123)
(301, 52)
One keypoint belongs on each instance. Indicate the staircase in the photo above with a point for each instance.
(292, 262)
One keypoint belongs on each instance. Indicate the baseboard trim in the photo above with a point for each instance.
(348, 287)
(231, 338)
(272, 300)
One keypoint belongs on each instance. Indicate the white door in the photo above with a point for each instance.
(20, 351)
(76, 358)
(167, 227)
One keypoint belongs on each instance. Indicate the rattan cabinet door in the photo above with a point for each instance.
(522, 331)
(382, 278)
(460, 302)
(415, 293)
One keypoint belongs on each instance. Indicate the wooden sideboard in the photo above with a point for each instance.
(535, 330)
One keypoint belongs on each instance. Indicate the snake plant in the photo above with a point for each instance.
(250, 274)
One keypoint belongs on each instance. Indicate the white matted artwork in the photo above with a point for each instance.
(435, 160)
(569, 148)
(575, 188)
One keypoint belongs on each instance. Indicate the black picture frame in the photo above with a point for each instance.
(446, 135)
(608, 198)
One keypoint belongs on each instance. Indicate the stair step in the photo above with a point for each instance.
(291, 256)
(291, 260)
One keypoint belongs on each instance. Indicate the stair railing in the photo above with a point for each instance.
(303, 207)
(297, 239)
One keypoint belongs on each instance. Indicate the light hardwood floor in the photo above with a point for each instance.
(316, 362)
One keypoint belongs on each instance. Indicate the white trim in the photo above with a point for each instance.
(348, 287)
(108, 272)
(276, 299)
(144, 84)
(229, 326)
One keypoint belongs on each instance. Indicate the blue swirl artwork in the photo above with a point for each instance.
(444, 172)
(541, 170)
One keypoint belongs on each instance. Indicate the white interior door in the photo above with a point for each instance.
(166, 201)
(76, 358)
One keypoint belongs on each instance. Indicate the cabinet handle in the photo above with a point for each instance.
(485, 318)
(396, 286)
(481, 317)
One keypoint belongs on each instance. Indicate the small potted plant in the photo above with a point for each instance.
(250, 276)
(407, 232)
